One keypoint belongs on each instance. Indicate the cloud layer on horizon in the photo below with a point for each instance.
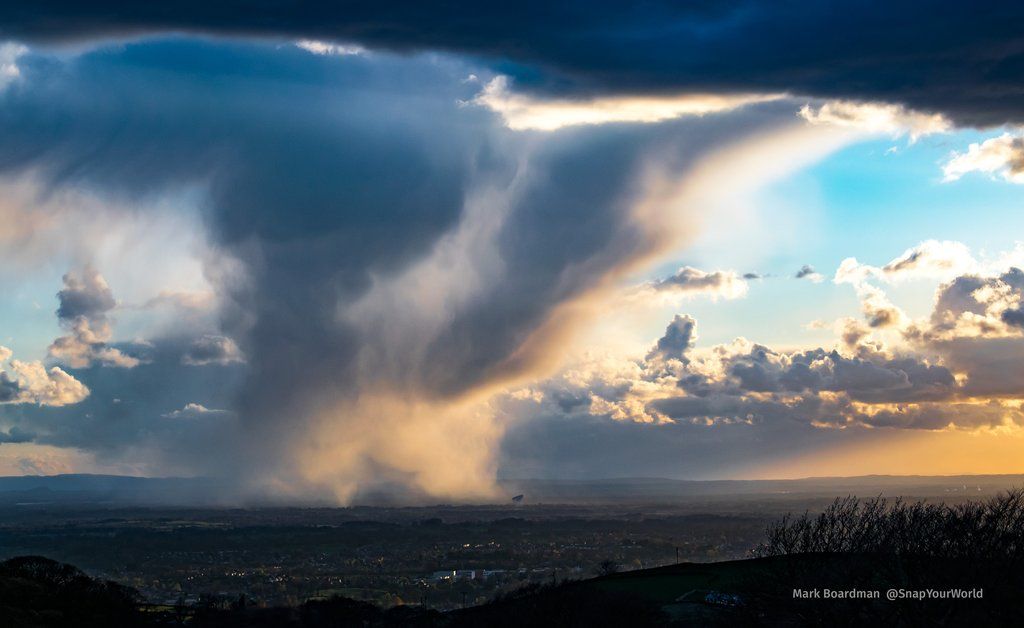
(959, 369)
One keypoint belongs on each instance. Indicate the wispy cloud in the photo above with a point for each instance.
(521, 111)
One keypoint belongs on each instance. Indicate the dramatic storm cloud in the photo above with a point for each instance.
(381, 261)
(937, 56)
(348, 249)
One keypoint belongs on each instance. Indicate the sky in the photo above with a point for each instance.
(333, 250)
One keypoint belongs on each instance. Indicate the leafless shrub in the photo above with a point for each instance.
(989, 529)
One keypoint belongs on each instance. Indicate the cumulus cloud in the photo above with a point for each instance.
(973, 329)
(930, 259)
(211, 349)
(974, 326)
(745, 383)
(32, 383)
(878, 310)
(85, 301)
(679, 337)
(976, 305)
(86, 295)
(866, 376)
(960, 368)
(751, 384)
(1001, 156)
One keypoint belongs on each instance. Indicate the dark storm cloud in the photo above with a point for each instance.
(1014, 317)
(9, 388)
(569, 227)
(317, 173)
(324, 177)
(16, 435)
(936, 55)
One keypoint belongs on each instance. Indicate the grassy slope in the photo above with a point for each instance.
(666, 584)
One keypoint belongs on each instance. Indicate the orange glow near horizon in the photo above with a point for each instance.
(910, 452)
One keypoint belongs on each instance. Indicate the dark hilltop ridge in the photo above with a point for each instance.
(884, 562)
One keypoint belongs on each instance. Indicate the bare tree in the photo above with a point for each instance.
(607, 567)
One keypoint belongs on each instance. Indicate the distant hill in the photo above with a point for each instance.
(85, 489)
(73, 489)
(647, 490)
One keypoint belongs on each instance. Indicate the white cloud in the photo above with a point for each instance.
(931, 259)
(195, 411)
(9, 53)
(689, 281)
(1002, 156)
(325, 48)
(873, 117)
(31, 382)
(522, 112)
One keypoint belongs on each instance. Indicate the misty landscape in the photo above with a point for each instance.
(543, 313)
(658, 552)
